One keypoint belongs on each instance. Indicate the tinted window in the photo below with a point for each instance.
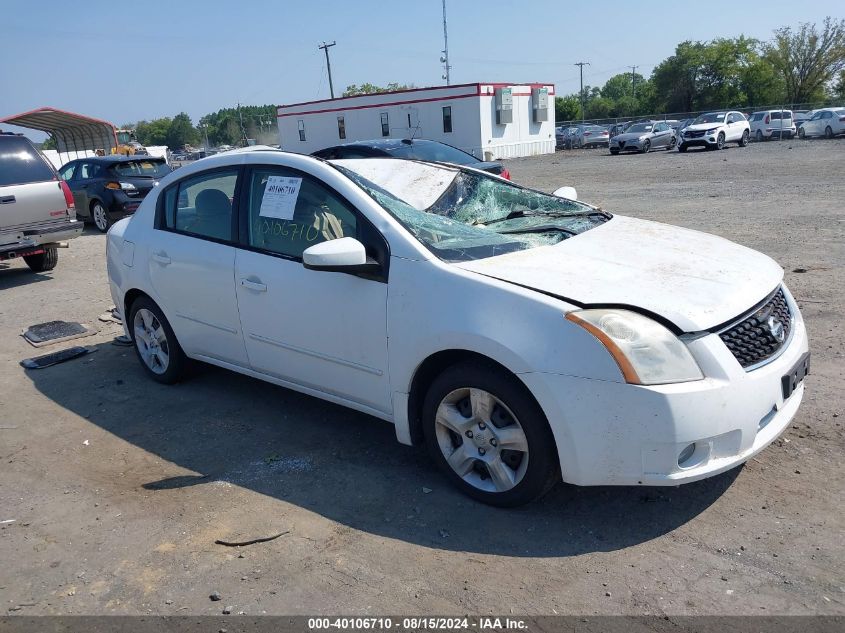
(341, 127)
(154, 168)
(385, 124)
(439, 152)
(447, 119)
(318, 215)
(202, 205)
(351, 152)
(20, 163)
(66, 172)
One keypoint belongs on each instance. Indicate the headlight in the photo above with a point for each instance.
(642, 138)
(647, 353)
(712, 130)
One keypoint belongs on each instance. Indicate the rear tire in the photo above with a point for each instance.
(744, 140)
(759, 136)
(468, 412)
(43, 262)
(147, 324)
(100, 216)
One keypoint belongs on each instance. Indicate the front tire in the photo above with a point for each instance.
(488, 434)
(43, 262)
(646, 147)
(744, 140)
(100, 216)
(682, 148)
(828, 132)
(155, 343)
(720, 141)
(615, 152)
(801, 133)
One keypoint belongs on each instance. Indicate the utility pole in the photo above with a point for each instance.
(581, 67)
(445, 57)
(243, 131)
(326, 47)
(633, 87)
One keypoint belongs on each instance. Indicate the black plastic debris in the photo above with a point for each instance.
(122, 341)
(48, 360)
(55, 331)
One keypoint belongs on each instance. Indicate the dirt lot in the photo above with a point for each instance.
(118, 486)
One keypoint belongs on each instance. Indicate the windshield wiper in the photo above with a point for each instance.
(542, 228)
(553, 214)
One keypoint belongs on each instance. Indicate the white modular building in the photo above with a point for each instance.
(489, 120)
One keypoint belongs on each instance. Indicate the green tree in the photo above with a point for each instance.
(353, 90)
(806, 59)
(153, 132)
(49, 143)
(181, 132)
(567, 108)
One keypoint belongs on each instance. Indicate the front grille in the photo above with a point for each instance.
(694, 133)
(761, 335)
(621, 144)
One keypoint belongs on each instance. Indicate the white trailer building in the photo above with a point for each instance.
(491, 121)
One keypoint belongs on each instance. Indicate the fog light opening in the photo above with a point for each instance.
(686, 454)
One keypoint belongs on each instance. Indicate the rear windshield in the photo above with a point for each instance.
(438, 152)
(777, 115)
(20, 163)
(153, 168)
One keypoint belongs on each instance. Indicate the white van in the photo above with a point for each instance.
(768, 124)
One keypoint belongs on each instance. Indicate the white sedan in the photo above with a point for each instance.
(524, 337)
(827, 122)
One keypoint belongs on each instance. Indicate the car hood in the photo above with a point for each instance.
(630, 136)
(694, 280)
(703, 126)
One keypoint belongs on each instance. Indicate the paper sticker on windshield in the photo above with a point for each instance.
(280, 196)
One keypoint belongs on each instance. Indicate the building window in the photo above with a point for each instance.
(341, 127)
(385, 125)
(301, 125)
(447, 119)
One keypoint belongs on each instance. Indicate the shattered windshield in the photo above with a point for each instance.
(462, 215)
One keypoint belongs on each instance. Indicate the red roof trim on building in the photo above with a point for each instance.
(476, 85)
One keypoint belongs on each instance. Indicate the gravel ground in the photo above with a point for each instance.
(119, 487)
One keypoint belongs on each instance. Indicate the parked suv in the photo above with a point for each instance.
(714, 129)
(108, 188)
(36, 208)
(768, 124)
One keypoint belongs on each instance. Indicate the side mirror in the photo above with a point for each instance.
(343, 255)
(567, 193)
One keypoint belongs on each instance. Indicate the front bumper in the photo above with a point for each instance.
(702, 141)
(611, 433)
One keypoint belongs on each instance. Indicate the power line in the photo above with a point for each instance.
(581, 67)
(326, 47)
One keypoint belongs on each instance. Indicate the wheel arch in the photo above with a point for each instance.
(431, 367)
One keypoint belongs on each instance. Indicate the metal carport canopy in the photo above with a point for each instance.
(72, 132)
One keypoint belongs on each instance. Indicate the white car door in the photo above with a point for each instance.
(325, 331)
(191, 265)
(734, 127)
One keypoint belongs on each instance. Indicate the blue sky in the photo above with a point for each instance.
(125, 61)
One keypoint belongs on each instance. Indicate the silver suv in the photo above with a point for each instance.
(36, 208)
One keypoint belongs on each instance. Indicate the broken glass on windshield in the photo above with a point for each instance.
(461, 214)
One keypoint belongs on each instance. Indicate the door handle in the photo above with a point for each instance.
(254, 285)
(161, 257)
(7, 199)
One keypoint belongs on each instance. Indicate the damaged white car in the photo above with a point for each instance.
(524, 337)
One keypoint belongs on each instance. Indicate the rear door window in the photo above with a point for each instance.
(153, 168)
(202, 205)
(20, 163)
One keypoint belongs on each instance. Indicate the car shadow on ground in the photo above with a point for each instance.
(344, 465)
(14, 275)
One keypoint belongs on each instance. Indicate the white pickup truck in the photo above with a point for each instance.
(37, 213)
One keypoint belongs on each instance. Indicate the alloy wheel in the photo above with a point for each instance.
(151, 341)
(101, 221)
(720, 141)
(481, 439)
